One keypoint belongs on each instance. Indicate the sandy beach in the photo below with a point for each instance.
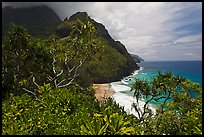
(103, 91)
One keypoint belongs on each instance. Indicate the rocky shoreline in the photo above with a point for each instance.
(123, 72)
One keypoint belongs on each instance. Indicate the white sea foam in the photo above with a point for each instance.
(124, 99)
(127, 101)
(119, 86)
(130, 78)
(137, 71)
(126, 83)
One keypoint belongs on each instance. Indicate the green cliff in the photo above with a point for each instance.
(112, 64)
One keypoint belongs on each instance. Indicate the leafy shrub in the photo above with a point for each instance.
(23, 57)
(107, 123)
(63, 112)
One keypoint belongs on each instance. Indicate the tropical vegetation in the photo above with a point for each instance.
(42, 93)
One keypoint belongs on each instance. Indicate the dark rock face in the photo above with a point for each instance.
(137, 58)
(123, 72)
(41, 21)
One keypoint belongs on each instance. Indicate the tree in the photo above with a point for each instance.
(13, 49)
(22, 57)
(180, 106)
(70, 53)
(28, 63)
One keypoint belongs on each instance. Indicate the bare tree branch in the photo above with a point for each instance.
(74, 76)
(35, 82)
(49, 78)
(61, 82)
(66, 84)
(55, 82)
(59, 73)
(53, 66)
(70, 78)
(70, 70)
(36, 98)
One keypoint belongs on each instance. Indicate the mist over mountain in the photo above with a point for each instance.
(41, 21)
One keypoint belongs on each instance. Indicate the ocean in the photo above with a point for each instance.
(149, 69)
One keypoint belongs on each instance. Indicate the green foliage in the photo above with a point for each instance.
(22, 56)
(160, 89)
(74, 110)
(81, 43)
(25, 57)
(100, 68)
(107, 123)
(75, 50)
(63, 113)
(180, 113)
(95, 127)
(64, 29)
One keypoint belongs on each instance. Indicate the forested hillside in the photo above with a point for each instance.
(42, 22)
(113, 63)
(46, 87)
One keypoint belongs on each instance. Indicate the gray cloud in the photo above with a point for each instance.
(22, 4)
(152, 30)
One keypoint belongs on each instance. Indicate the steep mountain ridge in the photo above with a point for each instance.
(119, 60)
(41, 21)
(101, 31)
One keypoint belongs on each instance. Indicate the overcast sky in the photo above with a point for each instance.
(152, 30)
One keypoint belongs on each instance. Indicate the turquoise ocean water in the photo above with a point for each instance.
(189, 69)
(148, 69)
